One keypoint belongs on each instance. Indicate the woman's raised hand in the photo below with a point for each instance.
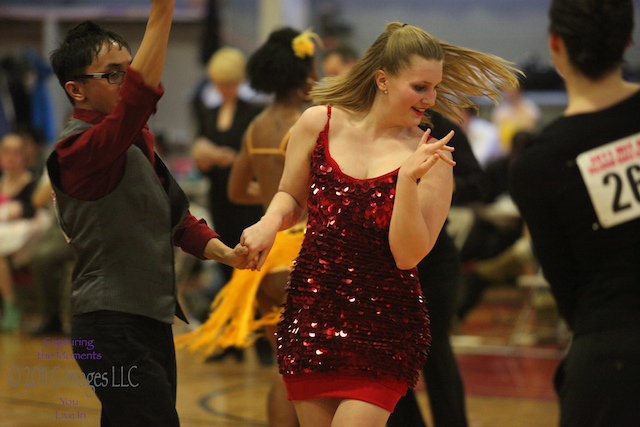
(430, 150)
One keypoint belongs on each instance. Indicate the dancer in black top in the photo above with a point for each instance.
(577, 189)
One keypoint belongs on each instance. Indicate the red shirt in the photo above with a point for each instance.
(92, 163)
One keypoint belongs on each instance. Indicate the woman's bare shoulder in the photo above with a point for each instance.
(315, 113)
(313, 119)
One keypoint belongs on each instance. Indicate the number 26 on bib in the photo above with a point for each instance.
(611, 174)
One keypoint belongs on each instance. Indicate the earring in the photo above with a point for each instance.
(386, 91)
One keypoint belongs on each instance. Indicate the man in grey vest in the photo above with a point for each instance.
(123, 213)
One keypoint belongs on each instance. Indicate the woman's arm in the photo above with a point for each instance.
(422, 201)
(289, 204)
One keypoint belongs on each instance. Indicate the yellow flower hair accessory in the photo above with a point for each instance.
(302, 44)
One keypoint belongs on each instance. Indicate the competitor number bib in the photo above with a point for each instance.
(611, 174)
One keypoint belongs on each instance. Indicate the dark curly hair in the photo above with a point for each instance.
(274, 68)
(595, 32)
(80, 48)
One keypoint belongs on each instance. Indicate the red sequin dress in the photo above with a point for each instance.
(354, 325)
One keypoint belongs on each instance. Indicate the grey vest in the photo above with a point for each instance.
(123, 240)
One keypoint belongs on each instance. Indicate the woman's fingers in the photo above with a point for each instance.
(446, 158)
(433, 145)
(439, 145)
(442, 143)
(426, 136)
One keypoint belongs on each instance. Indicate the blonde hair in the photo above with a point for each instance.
(466, 72)
(227, 65)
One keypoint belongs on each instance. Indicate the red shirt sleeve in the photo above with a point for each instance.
(192, 235)
(92, 162)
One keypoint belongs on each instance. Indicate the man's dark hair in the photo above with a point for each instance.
(80, 48)
(595, 32)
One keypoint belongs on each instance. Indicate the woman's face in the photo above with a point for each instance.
(228, 89)
(13, 155)
(413, 90)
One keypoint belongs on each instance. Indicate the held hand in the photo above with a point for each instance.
(239, 257)
(200, 152)
(258, 240)
(428, 153)
(207, 154)
(225, 156)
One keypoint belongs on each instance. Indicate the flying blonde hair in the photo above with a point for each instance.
(466, 72)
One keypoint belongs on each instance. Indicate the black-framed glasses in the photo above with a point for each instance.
(114, 77)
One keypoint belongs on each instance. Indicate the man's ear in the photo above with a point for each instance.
(555, 43)
(381, 80)
(74, 90)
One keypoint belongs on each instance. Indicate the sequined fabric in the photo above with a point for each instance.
(349, 309)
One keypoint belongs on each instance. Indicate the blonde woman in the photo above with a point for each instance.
(377, 190)
(219, 137)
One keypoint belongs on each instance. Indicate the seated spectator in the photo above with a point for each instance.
(19, 225)
(51, 265)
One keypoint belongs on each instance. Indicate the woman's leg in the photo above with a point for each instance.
(271, 294)
(356, 413)
(10, 313)
(333, 412)
(280, 410)
(316, 412)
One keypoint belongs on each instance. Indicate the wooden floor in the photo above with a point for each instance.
(507, 381)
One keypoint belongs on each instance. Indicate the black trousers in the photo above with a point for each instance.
(598, 381)
(440, 277)
(130, 362)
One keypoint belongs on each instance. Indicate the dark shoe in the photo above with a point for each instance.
(264, 351)
(235, 352)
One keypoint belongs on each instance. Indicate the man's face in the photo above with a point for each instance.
(98, 94)
(333, 65)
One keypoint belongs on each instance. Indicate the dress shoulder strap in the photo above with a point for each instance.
(325, 131)
(326, 126)
(279, 150)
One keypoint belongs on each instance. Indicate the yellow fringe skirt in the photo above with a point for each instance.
(232, 321)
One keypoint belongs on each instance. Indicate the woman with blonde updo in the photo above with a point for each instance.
(219, 136)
